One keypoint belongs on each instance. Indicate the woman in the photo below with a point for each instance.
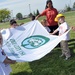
(50, 12)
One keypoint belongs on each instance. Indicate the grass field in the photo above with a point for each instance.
(51, 64)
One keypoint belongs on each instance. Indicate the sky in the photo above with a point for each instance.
(27, 6)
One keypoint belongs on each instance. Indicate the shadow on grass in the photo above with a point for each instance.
(22, 73)
(71, 44)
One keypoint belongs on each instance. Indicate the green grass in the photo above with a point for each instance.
(50, 64)
(6, 25)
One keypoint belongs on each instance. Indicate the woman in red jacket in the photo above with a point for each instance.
(50, 12)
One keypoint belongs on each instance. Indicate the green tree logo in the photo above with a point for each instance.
(35, 41)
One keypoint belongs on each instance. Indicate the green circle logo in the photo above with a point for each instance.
(35, 41)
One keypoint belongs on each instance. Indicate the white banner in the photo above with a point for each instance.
(31, 44)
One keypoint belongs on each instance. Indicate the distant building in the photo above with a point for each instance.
(25, 16)
(61, 11)
(73, 9)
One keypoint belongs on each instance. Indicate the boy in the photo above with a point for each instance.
(4, 60)
(63, 27)
(32, 18)
(14, 27)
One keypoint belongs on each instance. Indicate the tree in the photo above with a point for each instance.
(4, 13)
(74, 5)
(19, 16)
(30, 15)
(34, 13)
(68, 8)
(37, 12)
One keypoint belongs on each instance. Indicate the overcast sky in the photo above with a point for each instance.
(24, 6)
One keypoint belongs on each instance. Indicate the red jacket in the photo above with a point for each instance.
(50, 15)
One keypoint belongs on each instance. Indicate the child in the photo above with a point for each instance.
(32, 18)
(63, 27)
(4, 60)
(13, 24)
(44, 23)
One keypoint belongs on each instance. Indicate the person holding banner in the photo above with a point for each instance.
(63, 27)
(14, 27)
(50, 12)
(4, 60)
(7, 33)
(44, 23)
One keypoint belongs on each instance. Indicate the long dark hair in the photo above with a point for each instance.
(48, 2)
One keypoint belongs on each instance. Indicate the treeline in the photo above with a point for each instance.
(6, 15)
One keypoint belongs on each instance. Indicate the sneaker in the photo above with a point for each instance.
(67, 58)
(61, 55)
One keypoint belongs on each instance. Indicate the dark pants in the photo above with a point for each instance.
(52, 28)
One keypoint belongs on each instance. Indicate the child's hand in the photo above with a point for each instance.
(73, 28)
(51, 33)
(13, 61)
(9, 61)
